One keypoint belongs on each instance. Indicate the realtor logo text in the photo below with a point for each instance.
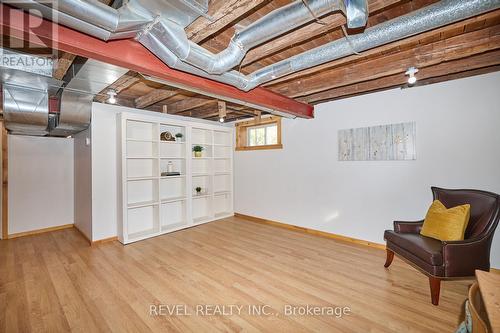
(253, 310)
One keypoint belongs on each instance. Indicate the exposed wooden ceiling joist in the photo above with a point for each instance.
(126, 81)
(307, 32)
(457, 50)
(154, 96)
(62, 64)
(457, 47)
(471, 24)
(223, 13)
(189, 104)
(474, 65)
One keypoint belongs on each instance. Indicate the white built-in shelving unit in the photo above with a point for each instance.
(153, 204)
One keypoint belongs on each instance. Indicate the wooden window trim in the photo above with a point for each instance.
(242, 128)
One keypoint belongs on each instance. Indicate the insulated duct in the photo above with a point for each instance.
(164, 34)
(86, 79)
(431, 17)
(27, 84)
(25, 110)
(272, 25)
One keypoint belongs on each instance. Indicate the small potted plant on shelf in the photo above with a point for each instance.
(198, 190)
(178, 137)
(197, 151)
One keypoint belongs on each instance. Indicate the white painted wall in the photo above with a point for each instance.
(104, 166)
(83, 183)
(458, 146)
(40, 182)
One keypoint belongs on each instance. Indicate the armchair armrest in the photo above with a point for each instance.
(408, 227)
(462, 258)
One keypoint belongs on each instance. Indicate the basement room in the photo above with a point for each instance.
(250, 166)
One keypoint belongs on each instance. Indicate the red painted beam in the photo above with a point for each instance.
(132, 55)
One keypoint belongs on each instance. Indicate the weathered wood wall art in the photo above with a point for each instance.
(378, 143)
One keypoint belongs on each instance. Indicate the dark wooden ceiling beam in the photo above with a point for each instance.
(425, 38)
(474, 65)
(223, 12)
(155, 96)
(421, 56)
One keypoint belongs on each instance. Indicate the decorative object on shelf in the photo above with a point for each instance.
(178, 137)
(198, 190)
(170, 167)
(169, 174)
(197, 151)
(378, 143)
(167, 136)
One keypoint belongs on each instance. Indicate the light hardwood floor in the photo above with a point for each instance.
(55, 282)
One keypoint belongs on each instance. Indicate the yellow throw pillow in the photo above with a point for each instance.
(446, 224)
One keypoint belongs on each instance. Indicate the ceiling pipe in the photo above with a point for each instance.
(428, 18)
(276, 23)
(102, 15)
(83, 24)
(156, 37)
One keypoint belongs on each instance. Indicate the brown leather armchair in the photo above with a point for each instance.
(441, 260)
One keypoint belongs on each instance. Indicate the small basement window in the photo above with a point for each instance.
(255, 134)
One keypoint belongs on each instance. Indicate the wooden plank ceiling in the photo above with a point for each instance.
(469, 47)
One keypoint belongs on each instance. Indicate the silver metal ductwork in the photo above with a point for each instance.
(164, 35)
(85, 81)
(274, 24)
(26, 95)
(25, 110)
(27, 84)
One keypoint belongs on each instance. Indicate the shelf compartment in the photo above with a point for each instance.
(201, 166)
(222, 152)
(222, 138)
(173, 129)
(205, 182)
(140, 130)
(201, 136)
(173, 214)
(142, 168)
(222, 183)
(143, 221)
(202, 208)
(142, 149)
(179, 165)
(222, 166)
(222, 204)
(142, 191)
(172, 150)
(171, 188)
(207, 150)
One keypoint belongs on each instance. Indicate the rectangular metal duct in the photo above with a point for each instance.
(75, 112)
(25, 110)
(27, 84)
(86, 79)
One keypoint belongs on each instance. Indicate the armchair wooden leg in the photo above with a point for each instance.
(435, 284)
(390, 257)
